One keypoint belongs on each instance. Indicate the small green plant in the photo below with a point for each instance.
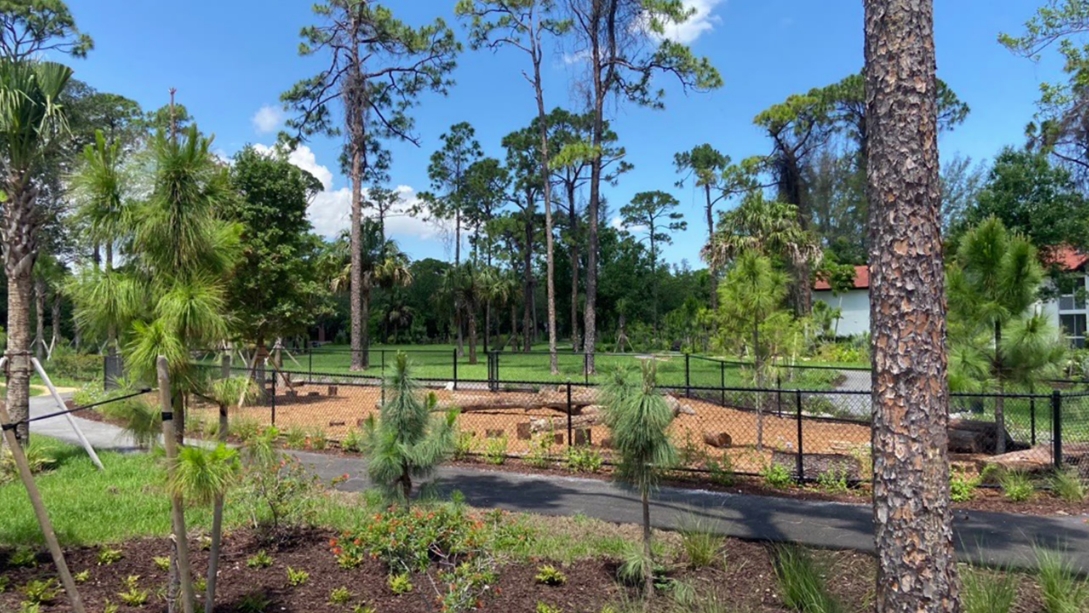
(550, 575)
(107, 556)
(721, 470)
(495, 450)
(82, 576)
(200, 585)
(987, 592)
(244, 429)
(364, 608)
(543, 607)
(833, 480)
(464, 445)
(1016, 486)
(41, 591)
(1068, 485)
(315, 438)
(801, 582)
(29, 607)
(682, 592)
(162, 563)
(583, 459)
(1062, 590)
(340, 596)
(111, 607)
(962, 488)
(295, 578)
(254, 602)
(295, 437)
(540, 449)
(701, 546)
(261, 559)
(133, 596)
(634, 564)
(399, 584)
(353, 441)
(5, 583)
(777, 476)
(23, 557)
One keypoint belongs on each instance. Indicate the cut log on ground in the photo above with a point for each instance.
(1041, 459)
(973, 436)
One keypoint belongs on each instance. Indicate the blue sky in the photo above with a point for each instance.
(231, 59)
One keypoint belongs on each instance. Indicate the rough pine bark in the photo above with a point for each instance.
(912, 520)
(354, 106)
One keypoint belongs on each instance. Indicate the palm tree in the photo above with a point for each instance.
(993, 282)
(30, 120)
(638, 418)
(383, 265)
(705, 164)
(406, 441)
(769, 228)
(751, 297)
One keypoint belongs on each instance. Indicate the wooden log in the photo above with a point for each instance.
(721, 440)
(525, 431)
(490, 433)
(974, 436)
(332, 390)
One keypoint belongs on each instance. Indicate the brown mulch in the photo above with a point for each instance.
(744, 579)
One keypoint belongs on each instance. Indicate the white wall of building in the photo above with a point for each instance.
(856, 310)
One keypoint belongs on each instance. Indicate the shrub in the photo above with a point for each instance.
(82, 576)
(315, 438)
(543, 607)
(801, 583)
(540, 449)
(777, 476)
(254, 602)
(23, 557)
(466, 583)
(583, 459)
(340, 596)
(399, 584)
(36, 458)
(407, 540)
(133, 596)
(833, 480)
(295, 578)
(65, 362)
(1062, 590)
(961, 487)
(550, 575)
(244, 428)
(1068, 485)
(162, 563)
(721, 471)
(41, 591)
(464, 445)
(277, 491)
(1016, 486)
(261, 559)
(353, 441)
(495, 450)
(295, 437)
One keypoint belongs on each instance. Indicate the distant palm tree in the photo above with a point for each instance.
(30, 120)
(769, 228)
(384, 265)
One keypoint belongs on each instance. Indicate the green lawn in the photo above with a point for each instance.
(436, 362)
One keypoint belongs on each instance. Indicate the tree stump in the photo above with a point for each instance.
(975, 436)
(332, 391)
(582, 437)
(489, 433)
(525, 431)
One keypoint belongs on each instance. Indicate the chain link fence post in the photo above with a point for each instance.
(1057, 427)
(455, 354)
(801, 456)
(1032, 419)
(273, 398)
(687, 375)
(570, 435)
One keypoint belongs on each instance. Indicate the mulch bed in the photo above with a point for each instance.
(745, 580)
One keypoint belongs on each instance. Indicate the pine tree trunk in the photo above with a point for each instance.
(365, 344)
(528, 331)
(472, 337)
(354, 106)
(912, 520)
(55, 321)
(648, 560)
(573, 220)
(513, 326)
(711, 239)
(593, 212)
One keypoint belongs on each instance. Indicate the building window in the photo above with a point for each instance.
(1074, 328)
(1072, 302)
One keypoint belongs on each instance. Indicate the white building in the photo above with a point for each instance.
(1069, 312)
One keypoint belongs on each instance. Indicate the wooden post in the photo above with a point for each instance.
(177, 510)
(39, 509)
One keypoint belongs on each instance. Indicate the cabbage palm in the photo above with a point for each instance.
(638, 418)
(992, 285)
(30, 121)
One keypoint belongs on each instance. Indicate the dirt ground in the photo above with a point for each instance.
(495, 415)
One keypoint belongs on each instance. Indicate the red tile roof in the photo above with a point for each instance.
(1068, 258)
(862, 280)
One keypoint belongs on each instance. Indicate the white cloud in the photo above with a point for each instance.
(702, 21)
(330, 210)
(268, 119)
(618, 224)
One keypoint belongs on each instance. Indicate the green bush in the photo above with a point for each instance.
(495, 450)
(777, 476)
(1068, 485)
(407, 540)
(1017, 486)
(400, 584)
(66, 363)
(550, 575)
(801, 582)
(583, 459)
(961, 487)
(985, 592)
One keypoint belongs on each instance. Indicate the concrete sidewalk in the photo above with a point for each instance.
(992, 538)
